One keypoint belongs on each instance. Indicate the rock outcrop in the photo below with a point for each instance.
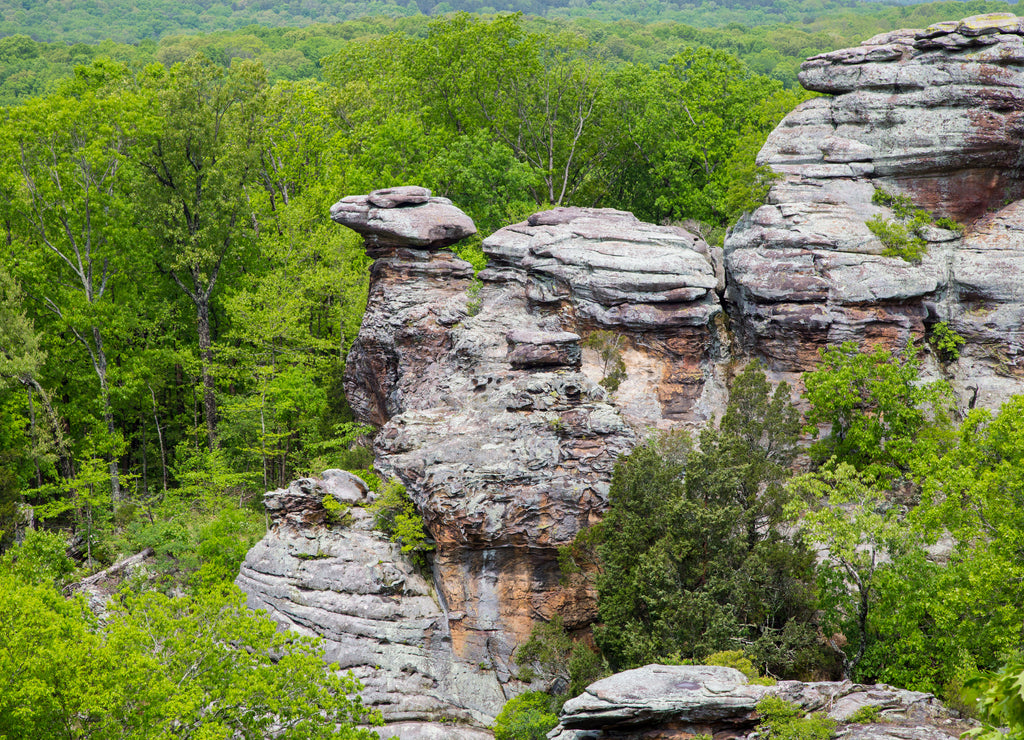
(491, 407)
(936, 115)
(686, 701)
(340, 579)
(403, 217)
(498, 411)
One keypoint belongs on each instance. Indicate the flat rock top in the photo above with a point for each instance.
(403, 217)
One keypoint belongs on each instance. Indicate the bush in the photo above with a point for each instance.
(781, 720)
(946, 342)
(741, 662)
(528, 716)
(395, 515)
(608, 346)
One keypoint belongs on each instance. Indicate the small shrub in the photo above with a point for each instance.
(781, 720)
(395, 515)
(337, 512)
(949, 224)
(903, 237)
(740, 661)
(473, 300)
(585, 667)
(40, 558)
(946, 342)
(866, 715)
(528, 716)
(898, 239)
(609, 347)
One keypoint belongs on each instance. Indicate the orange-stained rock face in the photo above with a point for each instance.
(491, 406)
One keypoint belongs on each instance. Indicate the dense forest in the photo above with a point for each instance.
(175, 312)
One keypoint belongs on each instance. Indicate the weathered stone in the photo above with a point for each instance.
(935, 115)
(378, 616)
(543, 349)
(683, 701)
(403, 217)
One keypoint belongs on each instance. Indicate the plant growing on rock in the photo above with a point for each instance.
(608, 346)
(904, 237)
(946, 342)
(337, 512)
(528, 716)
(781, 720)
(395, 515)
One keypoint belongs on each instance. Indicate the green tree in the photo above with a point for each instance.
(76, 221)
(692, 561)
(198, 166)
(879, 416)
(161, 667)
(846, 513)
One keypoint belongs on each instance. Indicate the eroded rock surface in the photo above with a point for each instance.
(490, 405)
(679, 702)
(656, 287)
(379, 617)
(936, 115)
(403, 217)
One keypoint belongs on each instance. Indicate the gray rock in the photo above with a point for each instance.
(682, 701)
(403, 217)
(935, 115)
(377, 614)
(528, 349)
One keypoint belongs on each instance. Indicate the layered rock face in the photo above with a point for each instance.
(490, 404)
(490, 391)
(938, 116)
(345, 582)
(681, 702)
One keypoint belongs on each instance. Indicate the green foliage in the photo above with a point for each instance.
(189, 667)
(528, 716)
(609, 347)
(585, 667)
(395, 515)
(781, 720)
(552, 654)
(473, 300)
(41, 558)
(946, 341)
(337, 511)
(900, 240)
(740, 661)
(905, 237)
(880, 417)
(1000, 703)
(866, 715)
(692, 561)
(848, 515)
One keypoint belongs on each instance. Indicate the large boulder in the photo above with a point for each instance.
(680, 702)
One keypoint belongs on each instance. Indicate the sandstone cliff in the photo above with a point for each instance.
(489, 396)
(936, 115)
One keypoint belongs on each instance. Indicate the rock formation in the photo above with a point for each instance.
(686, 701)
(347, 583)
(493, 395)
(938, 116)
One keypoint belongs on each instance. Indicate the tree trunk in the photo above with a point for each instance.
(108, 415)
(206, 358)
